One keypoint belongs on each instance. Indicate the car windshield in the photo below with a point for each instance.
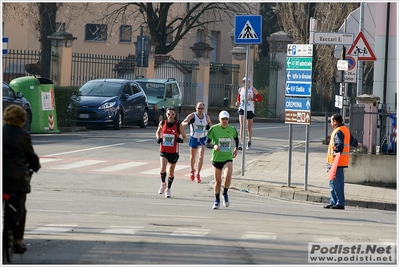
(153, 89)
(100, 88)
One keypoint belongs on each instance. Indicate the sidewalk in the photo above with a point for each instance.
(267, 175)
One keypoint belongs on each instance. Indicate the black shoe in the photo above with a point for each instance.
(18, 249)
(327, 206)
(336, 207)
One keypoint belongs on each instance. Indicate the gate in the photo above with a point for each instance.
(265, 81)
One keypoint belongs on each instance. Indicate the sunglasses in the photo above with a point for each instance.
(225, 119)
(200, 108)
(170, 114)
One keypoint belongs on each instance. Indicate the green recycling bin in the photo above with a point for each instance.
(40, 93)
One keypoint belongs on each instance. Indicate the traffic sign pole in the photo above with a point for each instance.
(247, 30)
(244, 127)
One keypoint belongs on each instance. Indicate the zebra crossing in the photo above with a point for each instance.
(65, 229)
(116, 166)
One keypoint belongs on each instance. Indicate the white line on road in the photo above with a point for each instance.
(75, 165)
(120, 167)
(259, 235)
(45, 160)
(178, 216)
(80, 150)
(156, 171)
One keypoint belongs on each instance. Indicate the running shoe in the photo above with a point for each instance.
(240, 147)
(192, 175)
(216, 204)
(226, 202)
(162, 188)
(249, 145)
(198, 178)
(167, 193)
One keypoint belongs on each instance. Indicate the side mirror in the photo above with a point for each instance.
(20, 95)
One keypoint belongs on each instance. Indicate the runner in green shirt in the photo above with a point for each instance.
(220, 138)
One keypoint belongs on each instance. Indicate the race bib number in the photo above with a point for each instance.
(200, 129)
(224, 144)
(168, 139)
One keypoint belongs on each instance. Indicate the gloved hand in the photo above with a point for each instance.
(209, 145)
(159, 140)
(179, 140)
(207, 127)
(191, 121)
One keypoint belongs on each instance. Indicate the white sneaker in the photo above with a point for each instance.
(249, 145)
(226, 202)
(162, 188)
(216, 204)
(167, 193)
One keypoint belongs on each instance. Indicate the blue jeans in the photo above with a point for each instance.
(337, 196)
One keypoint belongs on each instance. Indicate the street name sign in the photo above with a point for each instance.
(248, 29)
(297, 104)
(333, 38)
(298, 89)
(299, 63)
(298, 76)
(5, 45)
(300, 50)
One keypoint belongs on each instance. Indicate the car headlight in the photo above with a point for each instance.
(107, 105)
(152, 106)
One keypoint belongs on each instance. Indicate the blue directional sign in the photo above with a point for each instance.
(5, 45)
(248, 29)
(298, 89)
(298, 76)
(297, 104)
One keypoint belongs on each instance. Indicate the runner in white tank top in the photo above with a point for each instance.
(199, 123)
(252, 92)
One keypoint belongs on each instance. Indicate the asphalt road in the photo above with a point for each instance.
(95, 201)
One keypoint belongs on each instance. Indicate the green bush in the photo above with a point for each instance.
(262, 108)
(66, 109)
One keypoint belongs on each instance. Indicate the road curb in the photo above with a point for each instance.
(300, 195)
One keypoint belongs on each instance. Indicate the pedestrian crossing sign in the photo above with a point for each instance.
(248, 29)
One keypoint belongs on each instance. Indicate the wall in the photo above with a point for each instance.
(379, 65)
(22, 37)
(371, 168)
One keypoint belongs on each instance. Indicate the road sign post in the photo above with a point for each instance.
(247, 30)
(299, 84)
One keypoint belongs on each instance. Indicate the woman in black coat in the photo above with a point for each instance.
(18, 158)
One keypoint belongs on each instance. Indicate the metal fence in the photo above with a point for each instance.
(87, 67)
(14, 62)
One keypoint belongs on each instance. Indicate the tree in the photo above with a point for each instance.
(162, 19)
(269, 26)
(294, 19)
(42, 17)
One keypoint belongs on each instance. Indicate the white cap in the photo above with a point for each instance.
(224, 114)
(243, 79)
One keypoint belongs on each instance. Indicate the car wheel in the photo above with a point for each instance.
(118, 121)
(28, 120)
(159, 119)
(144, 120)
